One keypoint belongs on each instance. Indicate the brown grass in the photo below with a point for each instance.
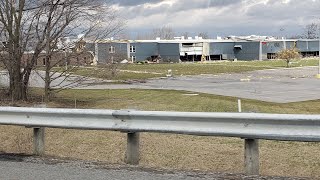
(167, 151)
(170, 151)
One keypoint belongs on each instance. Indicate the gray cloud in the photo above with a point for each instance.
(222, 17)
(201, 4)
(134, 2)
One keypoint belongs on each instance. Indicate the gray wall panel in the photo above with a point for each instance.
(105, 57)
(144, 50)
(169, 51)
(249, 51)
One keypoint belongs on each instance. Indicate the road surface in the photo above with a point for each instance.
(35, 168)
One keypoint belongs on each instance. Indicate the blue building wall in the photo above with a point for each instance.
(272, 47)
(223, 48)
(249, 51)
(103, 53)
(144, 50)
(277, 46)
(169, 52)
(291, 44)
(308, 46)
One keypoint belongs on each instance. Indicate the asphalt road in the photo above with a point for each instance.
(26, 168)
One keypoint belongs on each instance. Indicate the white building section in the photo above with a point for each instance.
(195, 48)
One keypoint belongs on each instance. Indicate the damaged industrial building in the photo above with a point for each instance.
(180, 49)
(198, 49)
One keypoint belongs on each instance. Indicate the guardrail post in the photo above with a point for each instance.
(38, 141)
(132, 154)
(251, 156)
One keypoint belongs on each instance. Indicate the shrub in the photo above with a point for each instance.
(288, 55)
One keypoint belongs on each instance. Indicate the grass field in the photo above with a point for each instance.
(165, 150)
(170, 100)
(145, 71)
(170, 151)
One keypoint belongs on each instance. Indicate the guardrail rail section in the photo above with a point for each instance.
(249, 126)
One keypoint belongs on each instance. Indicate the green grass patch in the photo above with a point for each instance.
(146, 71)
(171, 100)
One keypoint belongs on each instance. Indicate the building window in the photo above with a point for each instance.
(132, 49)
(133, 58)
(112, 49)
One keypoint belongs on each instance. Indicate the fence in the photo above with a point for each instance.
(249, 126)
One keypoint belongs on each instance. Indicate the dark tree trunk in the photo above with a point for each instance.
(47, 81)
(18, 89)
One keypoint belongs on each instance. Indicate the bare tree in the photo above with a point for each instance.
(164, 32)
(17, 29)
(296, 36)
(115, 61)
(204, 35)
(312, 31)
(101, 22)
(186, 35)
(145, 36)
(37, 26)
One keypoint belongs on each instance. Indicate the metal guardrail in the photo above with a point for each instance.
(243, 125)
(248, 126)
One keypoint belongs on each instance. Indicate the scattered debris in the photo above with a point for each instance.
(169, 74)
(245, 80)
(190, 94)
(124, 61)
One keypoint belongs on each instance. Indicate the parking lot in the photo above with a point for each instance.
(283, 85)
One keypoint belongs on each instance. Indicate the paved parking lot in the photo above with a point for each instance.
(275, 85)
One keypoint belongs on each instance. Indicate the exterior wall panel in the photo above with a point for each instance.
(104, 56)
(169, 51)
(249, 51)
(144, 50)
(273, 47)
(308, 46)
(224, 48)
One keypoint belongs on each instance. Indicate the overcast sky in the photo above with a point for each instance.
(220, 17)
